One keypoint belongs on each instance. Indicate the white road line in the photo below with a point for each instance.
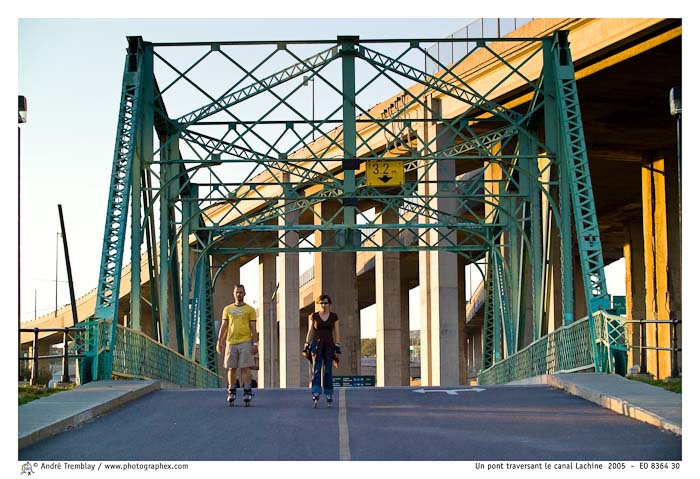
(344, 436)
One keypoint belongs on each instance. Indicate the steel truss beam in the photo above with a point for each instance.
(227, 172)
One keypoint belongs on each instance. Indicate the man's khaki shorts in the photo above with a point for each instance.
(239, 356)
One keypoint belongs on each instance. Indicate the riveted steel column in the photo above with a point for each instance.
(107, 298)
(143, 155)
(510, 286)
(347, 51)
(566, 252)
(189, 208)
(529, 181)
(494, 302)
(553, 138)
(208, 357)
(168, 156)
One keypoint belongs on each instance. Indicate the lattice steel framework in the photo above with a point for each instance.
(240, 165)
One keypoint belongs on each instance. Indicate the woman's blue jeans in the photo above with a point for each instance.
(323, 369)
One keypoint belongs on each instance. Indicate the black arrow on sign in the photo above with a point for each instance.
(385, 178)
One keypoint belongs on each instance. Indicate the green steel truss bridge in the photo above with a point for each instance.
(218, 153)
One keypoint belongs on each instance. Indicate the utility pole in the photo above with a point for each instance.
(68, 268)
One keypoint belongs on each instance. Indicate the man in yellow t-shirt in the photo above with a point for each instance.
(240, 337)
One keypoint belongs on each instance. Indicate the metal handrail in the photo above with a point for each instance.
(137, 355)
(65, 376)
(674, 349)
(568, 349)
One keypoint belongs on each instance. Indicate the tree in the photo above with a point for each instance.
(369, 347)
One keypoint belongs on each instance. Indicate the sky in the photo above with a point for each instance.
(70, 70)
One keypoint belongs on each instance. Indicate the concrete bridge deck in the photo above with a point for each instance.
(361, 419)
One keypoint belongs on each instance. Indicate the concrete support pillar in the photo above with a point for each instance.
(223, 288)
(580, 306)
(267, 322)
(44, 370)
(335, 275)
(493, 176)
(657, 260)
(290, 337)
(474, 353)
(440, 361)
(440, 358)
(462, 318)
(426, 328)
(147, 323)
(526, 331)
(634, 288)
(172, 324)
(555, 308)
(406, 329)
(392, 334)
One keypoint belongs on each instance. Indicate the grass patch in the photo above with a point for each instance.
(30, 393)
(675, 386)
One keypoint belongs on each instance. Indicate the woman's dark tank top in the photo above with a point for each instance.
(323, 333)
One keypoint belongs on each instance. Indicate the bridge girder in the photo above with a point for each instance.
(237, 173)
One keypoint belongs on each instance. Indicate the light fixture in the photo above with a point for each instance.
(22, 109)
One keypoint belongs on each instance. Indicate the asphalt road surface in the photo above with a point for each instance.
(498, 423)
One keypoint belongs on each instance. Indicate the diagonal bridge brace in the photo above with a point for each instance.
(310, 64)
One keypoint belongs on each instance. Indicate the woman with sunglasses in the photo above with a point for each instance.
(322, 340)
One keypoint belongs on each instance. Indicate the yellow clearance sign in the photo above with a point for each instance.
(385, 173)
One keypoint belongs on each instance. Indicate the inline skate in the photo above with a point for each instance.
(247, 396)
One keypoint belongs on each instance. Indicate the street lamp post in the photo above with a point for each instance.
(675, 104)
(676, 107)
(21, 118)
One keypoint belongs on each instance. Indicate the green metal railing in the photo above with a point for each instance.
(568, 349)
(610, 343)
(137, 356)
(93, 342)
